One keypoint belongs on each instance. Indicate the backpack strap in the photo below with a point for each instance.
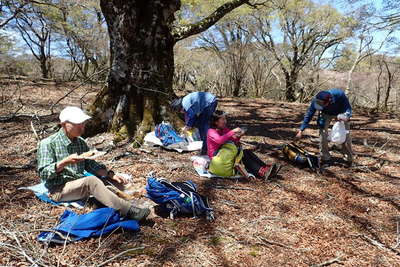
(193, 208)
(173, 212)
(294, 146)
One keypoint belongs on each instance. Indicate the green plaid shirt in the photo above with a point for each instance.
(54, 149)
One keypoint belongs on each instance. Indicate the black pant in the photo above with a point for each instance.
(252, 163)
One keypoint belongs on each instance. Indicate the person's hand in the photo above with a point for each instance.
(299, 134)
(119, 179)
(186, 128)
(342, 117)
(72, 159)
(237, 131)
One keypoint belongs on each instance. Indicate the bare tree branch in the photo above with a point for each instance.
(184, 31)
(18, 8)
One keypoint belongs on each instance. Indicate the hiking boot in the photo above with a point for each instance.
(138, 214)
(348, 160)
(271, 171)
(315, 140)
(277, 169)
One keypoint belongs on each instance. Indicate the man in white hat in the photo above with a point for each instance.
(61, 167)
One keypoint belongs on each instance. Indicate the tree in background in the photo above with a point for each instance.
(363, 39)
(304, 30)
(36, 31)
(6, 44)
(391, 15)
(142, 36)
(9, 9)
(82, 26)
(388, 70)
(232, 45)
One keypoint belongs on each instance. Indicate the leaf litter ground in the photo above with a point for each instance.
(344, 216)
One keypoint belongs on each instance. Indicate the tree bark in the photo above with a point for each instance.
(378, 88)
(389, 84)
(290, 79)
(142, 67)
(45, 66)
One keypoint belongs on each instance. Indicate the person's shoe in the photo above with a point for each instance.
(272, 169)
(138, 214)
(277, 169)
(315, 140)
(348, 160)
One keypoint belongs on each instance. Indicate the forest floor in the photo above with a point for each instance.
(343, 216)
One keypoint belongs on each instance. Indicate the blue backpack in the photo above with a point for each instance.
(168, 136)
(178, 198)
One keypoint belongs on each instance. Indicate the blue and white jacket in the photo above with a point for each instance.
(195, 103)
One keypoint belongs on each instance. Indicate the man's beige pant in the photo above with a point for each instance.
(91, 186)
(323, 146)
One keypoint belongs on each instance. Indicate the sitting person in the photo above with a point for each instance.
(61, 167)
(224, 150)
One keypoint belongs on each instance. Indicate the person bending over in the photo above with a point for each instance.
(198, 108)
(330, 104)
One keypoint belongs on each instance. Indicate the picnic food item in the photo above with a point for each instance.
(87, 154)
(92, 154)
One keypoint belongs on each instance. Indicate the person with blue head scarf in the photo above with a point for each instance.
(331, 104)
(198, 108)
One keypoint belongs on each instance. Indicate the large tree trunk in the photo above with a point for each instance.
(142, 64)
(142, 67)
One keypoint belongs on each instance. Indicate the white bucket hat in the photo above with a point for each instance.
(74, 115)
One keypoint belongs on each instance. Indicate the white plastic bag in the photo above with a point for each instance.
(338, 133)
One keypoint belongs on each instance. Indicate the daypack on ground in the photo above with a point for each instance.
(298, 155)
(178, 197)
(167, 134)
(223, 164)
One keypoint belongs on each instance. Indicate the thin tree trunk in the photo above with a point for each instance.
(350, 75)
(43, 67)
(291, 79)
(389, 85)
(378, 88)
